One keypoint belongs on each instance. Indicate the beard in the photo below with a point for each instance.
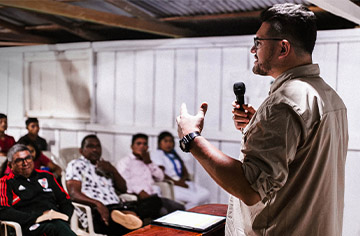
(261, 68)
(265, 66)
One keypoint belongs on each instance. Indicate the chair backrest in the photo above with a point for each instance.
(68, 154)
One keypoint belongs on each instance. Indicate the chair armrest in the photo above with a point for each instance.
(128, 197)
(167, 188)
(14, 225)
(75, 224)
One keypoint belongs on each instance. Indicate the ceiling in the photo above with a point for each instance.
(33, 22)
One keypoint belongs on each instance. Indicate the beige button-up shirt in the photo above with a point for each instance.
(294, 152)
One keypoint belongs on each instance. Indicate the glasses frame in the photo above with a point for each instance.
(257, 39)
(21, 161)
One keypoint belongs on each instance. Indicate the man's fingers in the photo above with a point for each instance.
(183, 109)
(203, 109)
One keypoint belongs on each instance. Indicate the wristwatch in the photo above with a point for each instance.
(186, 140)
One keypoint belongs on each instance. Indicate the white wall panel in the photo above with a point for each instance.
(209, 85)
(47, 134)
(185, 80)
(4, 90)
(121, 146)
(107, 144)
(105, 87)
(164, 114)
(16, 89)
(144, 84)
(348, 87)
(124, 88)
(352, 192)
(326, 56)
(77, 77)
(68, 138)
(233, 70)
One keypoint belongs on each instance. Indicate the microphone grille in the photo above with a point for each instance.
(239, 88)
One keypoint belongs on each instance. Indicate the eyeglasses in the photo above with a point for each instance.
(21, 161)
(257, 39)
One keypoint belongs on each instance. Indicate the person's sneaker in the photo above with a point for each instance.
(129, 221)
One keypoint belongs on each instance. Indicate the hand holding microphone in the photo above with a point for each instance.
(242, 112)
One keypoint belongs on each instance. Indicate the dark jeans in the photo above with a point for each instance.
(169, 206)
(52, 228)
(113, 228)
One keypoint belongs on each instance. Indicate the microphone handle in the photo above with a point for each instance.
(240, 100)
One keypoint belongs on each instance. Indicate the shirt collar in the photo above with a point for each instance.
(309, 70)
(85, 160)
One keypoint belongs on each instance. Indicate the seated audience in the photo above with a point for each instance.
(175, 170)
(6, 141)
(33, 198)
(32, 125)
(140, 174)
(93, 181)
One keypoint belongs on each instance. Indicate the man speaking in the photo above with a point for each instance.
(291, 178)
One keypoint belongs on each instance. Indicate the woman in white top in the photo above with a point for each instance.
(185, 191)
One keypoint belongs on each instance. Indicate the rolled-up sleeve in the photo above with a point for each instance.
(269, 146)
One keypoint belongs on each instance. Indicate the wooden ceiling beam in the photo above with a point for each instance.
(71, 28)
(12, 44)
(104, 18)
(25, 34)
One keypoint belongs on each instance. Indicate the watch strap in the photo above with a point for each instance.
(187, 139)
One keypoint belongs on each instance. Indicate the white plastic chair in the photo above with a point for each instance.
(14, 225)
(166, 188)
(75, 223)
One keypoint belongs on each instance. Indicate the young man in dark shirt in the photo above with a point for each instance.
(32, 125)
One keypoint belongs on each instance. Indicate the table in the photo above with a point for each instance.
(212, 209)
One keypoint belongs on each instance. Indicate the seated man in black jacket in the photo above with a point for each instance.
(33, 198)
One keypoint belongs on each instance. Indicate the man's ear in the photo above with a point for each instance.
(285, 48)
(81, 151)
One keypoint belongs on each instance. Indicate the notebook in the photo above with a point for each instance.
(192, 221)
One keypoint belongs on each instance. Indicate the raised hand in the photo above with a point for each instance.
(188, 123)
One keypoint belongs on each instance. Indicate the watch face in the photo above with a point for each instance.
(182, 145)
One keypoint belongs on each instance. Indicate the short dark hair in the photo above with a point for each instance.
(2, 115)
(293, 22)
(31, 120)
(14, 149)
(163, 135)
(28, 142)
(87, 137)
(138, 135)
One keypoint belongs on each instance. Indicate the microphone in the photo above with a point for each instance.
(239, 90)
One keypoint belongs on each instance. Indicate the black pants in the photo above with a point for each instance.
(169, 206)
(51, 228)
(113, 228)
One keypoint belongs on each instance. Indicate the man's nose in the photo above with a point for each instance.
(253, 49)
